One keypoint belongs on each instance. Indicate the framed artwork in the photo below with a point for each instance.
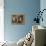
(18, 19)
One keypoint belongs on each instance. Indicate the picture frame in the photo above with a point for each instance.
(18, 19)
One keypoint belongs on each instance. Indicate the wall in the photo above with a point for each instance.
(1, 21)
(43, 6)
(28, 7)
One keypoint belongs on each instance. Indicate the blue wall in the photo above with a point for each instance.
(28, 7)
(43, 6)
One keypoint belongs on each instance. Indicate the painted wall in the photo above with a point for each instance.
(28, 7)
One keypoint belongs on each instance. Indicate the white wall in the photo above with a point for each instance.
(1, 20)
